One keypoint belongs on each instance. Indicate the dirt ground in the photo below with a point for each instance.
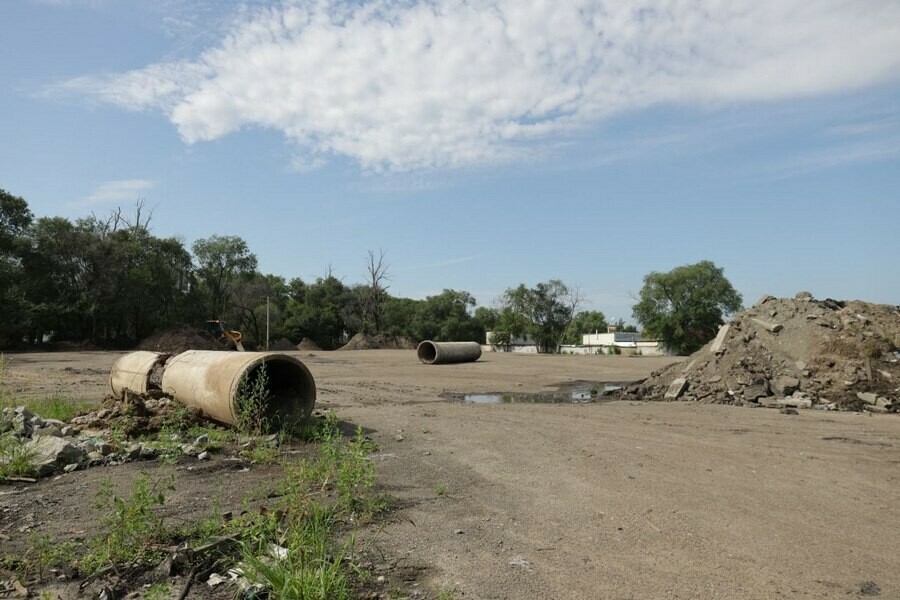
(599, 500)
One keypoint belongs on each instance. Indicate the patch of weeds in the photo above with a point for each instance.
(16, 460)
(58, 406)
(440, 490)
(446, 594)
(158, 591)
(253, 398)
(307, 564)
(132, 526)
(262, 453)
(47, 553)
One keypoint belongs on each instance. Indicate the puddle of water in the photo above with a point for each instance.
(580, 395)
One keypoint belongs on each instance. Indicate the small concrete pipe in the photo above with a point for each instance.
(134, 372)
(442, 353)
(211, 381)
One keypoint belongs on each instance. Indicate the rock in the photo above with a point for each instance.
(47, 431)
(714, 379)
(188, 450)
(676, 389)
(70, 468)
(788, 411)
(785, 385)
(763, 300)
(759, 389)
(148, 453)
(68, 431)
(773, 327)
(867, 397)
(203, 455)
(104, 448)
(50, 453)
(201, 440)
(24, 412)
(720, 339)
(133, 452)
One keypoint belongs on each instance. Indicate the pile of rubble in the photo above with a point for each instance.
(792, 353)
(54, 446)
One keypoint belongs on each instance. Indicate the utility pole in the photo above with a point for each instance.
(267, 323)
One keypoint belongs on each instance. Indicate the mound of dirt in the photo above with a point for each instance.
(180, 338)
(797, 352)
(282, 345)
(361, 341)
(308, 344)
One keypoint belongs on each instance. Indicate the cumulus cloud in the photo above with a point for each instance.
(116, 192)
(404, 85)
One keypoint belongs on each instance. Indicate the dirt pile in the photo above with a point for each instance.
(361, 341)
(308, 344)
(180, 338)
(135, 415)
(797, 352)
(282, 345)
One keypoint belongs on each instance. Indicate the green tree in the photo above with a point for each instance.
(685, 307)
(586, 321)
(248, 306)
(446, 318)
(15, 217)
(221, 261)
(546, 310)
(319, 316)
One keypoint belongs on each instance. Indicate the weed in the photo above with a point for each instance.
(47, 553)
(252, 400)
(132, 526)
(440, 490)
(58, 406)
(446, 594)
(306, 565)
(158, 591)
(16, 459)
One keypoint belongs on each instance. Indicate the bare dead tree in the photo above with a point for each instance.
(378, 275)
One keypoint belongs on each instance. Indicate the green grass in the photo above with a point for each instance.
(15, 459)
(132, 527)
(440, 490)
(58, 406)
(306, 529)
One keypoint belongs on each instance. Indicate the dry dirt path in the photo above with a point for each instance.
(606, 500)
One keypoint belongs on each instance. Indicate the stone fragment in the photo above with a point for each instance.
(50, 453)
(758, 389)
(785, 385)
(676, 389)
(49, 430)
(773, 327)
(867, 397)
(203, 455)
(201, 440)
(70, 468)
(720, 339)
(763, 300)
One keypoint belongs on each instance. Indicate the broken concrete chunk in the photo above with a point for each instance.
(763, 300)
(676, 389)
(759, 389)
(720, 339)
(51, 453)
(867, 397)
(773, 327)
(785, 385)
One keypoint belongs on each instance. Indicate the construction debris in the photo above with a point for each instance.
(793, 353)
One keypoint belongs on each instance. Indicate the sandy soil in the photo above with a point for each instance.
(600, 500)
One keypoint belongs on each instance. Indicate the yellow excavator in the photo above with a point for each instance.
(229, 337)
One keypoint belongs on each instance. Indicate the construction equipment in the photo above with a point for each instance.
(229, 337)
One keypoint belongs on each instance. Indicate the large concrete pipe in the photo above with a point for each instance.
(441, 353)
(211, 381)
(138, 371)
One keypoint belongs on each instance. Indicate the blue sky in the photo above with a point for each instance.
(480, 145)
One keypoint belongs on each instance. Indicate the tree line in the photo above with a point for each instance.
(111, 282)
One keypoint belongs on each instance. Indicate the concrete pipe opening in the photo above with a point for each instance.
(221, 384)
(442, 353)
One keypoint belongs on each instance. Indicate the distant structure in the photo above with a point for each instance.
(611, 342)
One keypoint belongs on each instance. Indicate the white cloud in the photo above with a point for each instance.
(117, 192)
(403, 85)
